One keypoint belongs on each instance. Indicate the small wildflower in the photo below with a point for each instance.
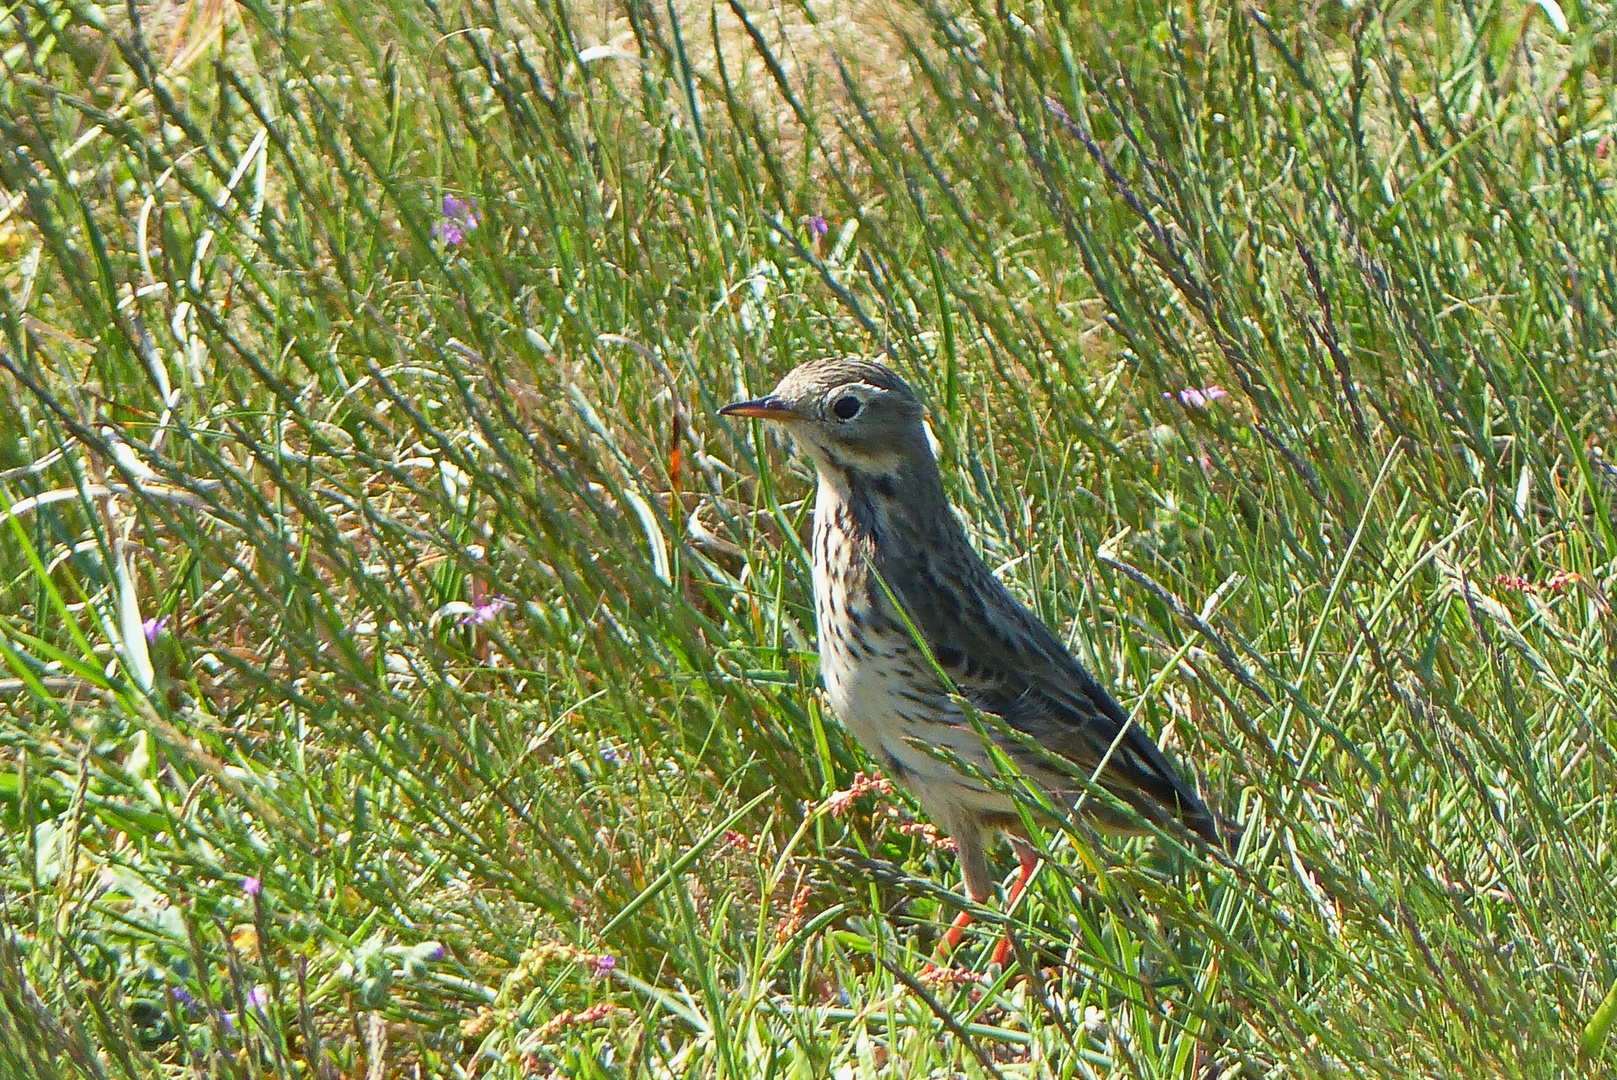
(486, 611)
(183, 996)
(818, 227)
(229, 1022)
(1200, 399)
(1555, 585)
(567, 1018)
(796, 916)
(949, 976)
(546, 951)
(739, 840)
(252, 886)
(258, 997)
(924, 829)
(432, 952)
(459, 218)
(478, 1023)
(605, 965)
(609, 754)
(839, 802)
(1560, 580)
(153, 628)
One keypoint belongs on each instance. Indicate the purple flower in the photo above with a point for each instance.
(609, 754)
(258, 997)
(183, 996)
(486, 611)
(432, 951)
(252, 886)
(153, 627)
(818, 227)
(459, 218)
(1200, 399)
(230, 1024)
(605, 965)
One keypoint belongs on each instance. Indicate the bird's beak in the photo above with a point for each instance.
(764, 408)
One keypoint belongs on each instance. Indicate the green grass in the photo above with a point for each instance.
(251, 391)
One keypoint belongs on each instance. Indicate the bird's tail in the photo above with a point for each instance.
(1218, 830)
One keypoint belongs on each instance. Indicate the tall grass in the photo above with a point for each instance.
(409, 675)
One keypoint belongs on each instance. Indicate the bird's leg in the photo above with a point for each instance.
(940, 966)
(1029, 858)
(946, 946)
(956, 931)
(968, 836)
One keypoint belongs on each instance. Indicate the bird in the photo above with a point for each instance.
(901, 595)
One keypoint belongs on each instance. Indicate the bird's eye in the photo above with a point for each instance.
(846, 408)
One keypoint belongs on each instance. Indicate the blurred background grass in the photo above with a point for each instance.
(408, 675)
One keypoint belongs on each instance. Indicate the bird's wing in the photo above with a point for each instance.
(1005, 661)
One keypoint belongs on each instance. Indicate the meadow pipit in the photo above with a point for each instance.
(892, 569)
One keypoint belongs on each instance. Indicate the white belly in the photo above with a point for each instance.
(868, 694)
(873, 672)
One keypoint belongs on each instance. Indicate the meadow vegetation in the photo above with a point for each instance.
(406, 674)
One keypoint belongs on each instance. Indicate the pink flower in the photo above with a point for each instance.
(486, 611)
(818, 227)
(252, 886)
(459, 218)
(605, 965)
(154, 627)
(1200, 399)
(839, 802)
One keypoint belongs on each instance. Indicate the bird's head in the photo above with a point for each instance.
(850, 414)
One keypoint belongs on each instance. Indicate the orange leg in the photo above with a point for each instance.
(957, 930)
(1029, 859)
(1030, 863)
